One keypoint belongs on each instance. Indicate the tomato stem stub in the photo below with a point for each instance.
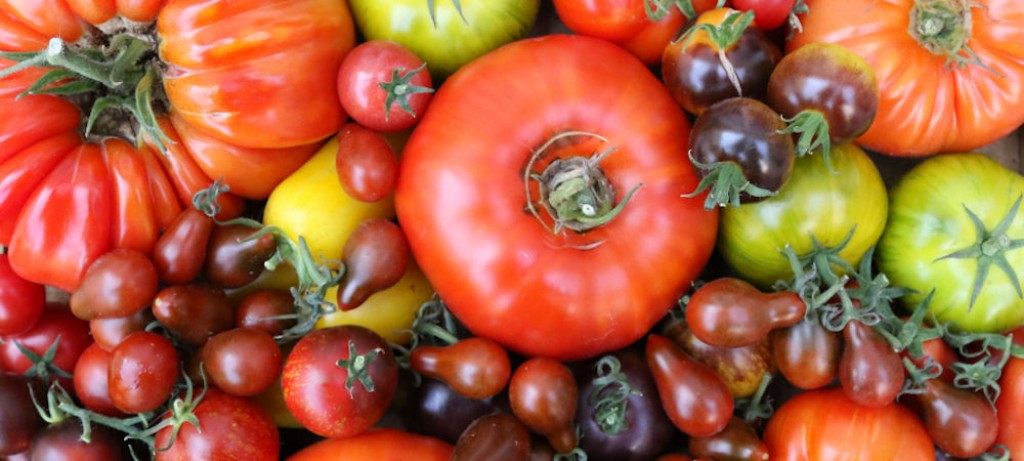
(944, 28)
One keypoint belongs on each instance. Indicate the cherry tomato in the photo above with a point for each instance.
(475, 367)
(612, 20)
(375, 256)
(193, 312)
(91, 379)
(21, 302)
(180, 252)
(729, 312)
(384, 86)
(543, 394)
(738, 441)
(242, 361)
(768, 14)
(19, 420)
(143, 372)
(807, 354)
(118, 284)
(57, 322)
(108, 333)
(367, 166)
(696, 399)
(235, 257)
(258, 308)
(495, 437)
(339, 381)
(232, 428)
(870, 370)
(63, 441)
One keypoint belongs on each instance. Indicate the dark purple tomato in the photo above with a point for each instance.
(19, 421)
(436, 410)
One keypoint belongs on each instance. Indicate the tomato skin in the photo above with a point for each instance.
(57, 321)
(926, 105)
(928, 220)
(21, 302)
(813, 202)
(729, 312)
(256, 310)
(62, 441)
(768, 14)
(367, 166)
(234, 257)
(870, 371)
(180, 251)
(233, 428)
(120, 283)
(960, 421)
(475, 367)
(319, 390)
(193, 312)
(452, 41)
(807, 354)
(497, 436)
(825, 425)
(543, 395)
(108, 333)
(242, 361)
(567, 302)
(612, 20)
(91, 380)
(1008, 408)
(696, 399)
(19, 422)
(143, 372)
(371, 64)
(377, 445)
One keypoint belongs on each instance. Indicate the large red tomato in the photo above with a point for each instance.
(233, 73)
(513, 119)
(935, 97)
(825, 425)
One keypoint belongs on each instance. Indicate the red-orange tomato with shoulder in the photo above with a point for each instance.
(383, 444)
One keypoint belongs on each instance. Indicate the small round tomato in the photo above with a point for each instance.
(108, 333)
(339, 381)
(118, 284)
(954, 227)
(56, 327)
(390, 312)
(144, 369)
(543, 394)
(91, 379)
(375, 258)
(384, 86)
(193, 312)
(367, 166)
(612, 20)
(815, 205)
(258, 309)
(242, 361)
(230, 428)
(21, 302)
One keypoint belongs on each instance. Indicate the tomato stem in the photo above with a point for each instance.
(357, 368)
(723, 36)
(727, 183)
(943, 27)
(400, 88)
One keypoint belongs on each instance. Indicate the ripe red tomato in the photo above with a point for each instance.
(1010, 406)
(144, 369)
(242, 361)
(233, 428)
(339, 381)
(57, 321)
(367, 166)
(504, 273)
(21, 302)
(377, 445)
(768, 14)
(384, 86)
(821, 424)
(91, 380)
(118, 284)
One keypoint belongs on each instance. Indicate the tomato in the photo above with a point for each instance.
(375, 258)
(118, 284)
(91, 380)
(21, 302)
(367, 166)
(312, 204)
(494, 436)
(825, 424)
(504, 272)
(258, 309)
(807, 354)
(233, 428)
(543, 395)
(814, 203)
(193, 312)
(235, 256)
(729, 312)
(384, 86)
(696, 399)
(56, 322)
(231, 115)
(952, 91)
(19, 422)
(242, 361)
(1009, 405)
(477, 368)
(377, 445)
(741, 368)
(737, 441)
(962, 422)
(768, 14)
(63, 440)
(446, 34)
(953, 227)
(339, 381)
(433, 408)
(143, 372)
(180, 251)
(870, 370)
(108, 333)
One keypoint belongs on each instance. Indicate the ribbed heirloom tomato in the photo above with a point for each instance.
(544, 202)
(233, 74)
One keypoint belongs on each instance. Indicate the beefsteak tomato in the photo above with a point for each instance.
(230, 114)
(954, 227)
(542, 275)
(377, 445)
(950, 72)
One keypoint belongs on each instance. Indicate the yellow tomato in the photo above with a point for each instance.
(389, 312)
(311, 203)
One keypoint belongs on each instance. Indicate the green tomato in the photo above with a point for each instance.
(446, 33)
(954, 228)
(815, 202)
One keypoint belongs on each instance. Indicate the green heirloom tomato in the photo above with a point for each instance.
(954, 227)
(446, 33)
(815, 202)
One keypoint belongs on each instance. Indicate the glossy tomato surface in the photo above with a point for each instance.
(930, 218)
(462, 198)
(928, 104)
(377, 445)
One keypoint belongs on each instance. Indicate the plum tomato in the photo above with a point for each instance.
(729, 312)
(375, 257)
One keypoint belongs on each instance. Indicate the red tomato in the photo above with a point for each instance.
(57, 321)
(502, 270)
(143, 371)
(242, 361)
(367, 167)
(377, 445)
(826, 425)
(118, 284)
(21, 302)
(91, 380)
(233, 429)
(339, 381)
(768, 14)
(1010, 406)
(608, 19)
(384, 86)
(929, 104)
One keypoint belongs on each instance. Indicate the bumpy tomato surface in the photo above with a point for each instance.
(954, 227)
(467, 185)
(934, 96)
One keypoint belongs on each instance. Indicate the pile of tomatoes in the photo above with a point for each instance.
(510, 230)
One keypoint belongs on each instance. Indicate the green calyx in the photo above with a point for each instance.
(727, 184)
(357, 367)
(121, 76)
(990, 249)
(813, 134)
(433, 14)
(943, 27)
(659, 9)
(400, 88)
(723, 36)
(610, 409)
